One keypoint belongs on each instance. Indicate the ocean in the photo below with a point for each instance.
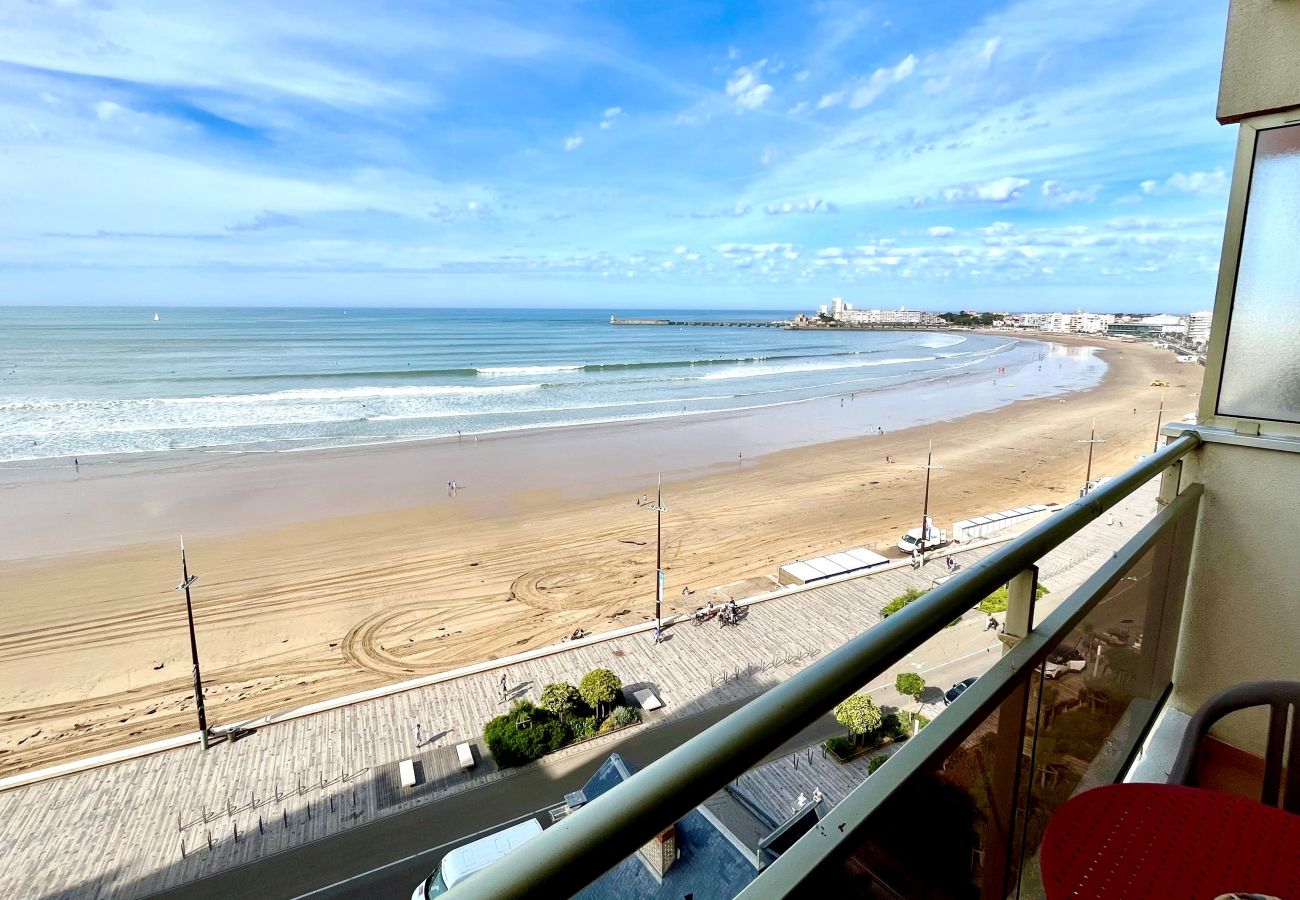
(85, 381)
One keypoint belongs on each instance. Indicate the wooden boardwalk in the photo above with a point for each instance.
(158, 821)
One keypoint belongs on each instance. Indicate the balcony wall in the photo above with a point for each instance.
(1261, 59)
(1241, 617)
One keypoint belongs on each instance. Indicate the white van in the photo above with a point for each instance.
(464, 861)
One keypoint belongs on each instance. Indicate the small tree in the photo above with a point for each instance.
(908, 683)
(859, 715)
(562, 699)
(599, 687)
(876, 762)
(911, 595)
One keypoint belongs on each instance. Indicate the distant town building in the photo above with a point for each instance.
(1151, 326)
(846, 314)
(1198, 328)
(1062, 323)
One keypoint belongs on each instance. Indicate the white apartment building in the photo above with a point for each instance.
(844, 312)
(1063, 323)
(1198, 328)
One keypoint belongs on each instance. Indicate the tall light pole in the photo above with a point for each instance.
(1160, 414)
(659, 510)
(925, 504)
(194, 646)
(1092, 439)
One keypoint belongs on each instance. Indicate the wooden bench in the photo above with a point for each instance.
(407, 768)
(465, 755)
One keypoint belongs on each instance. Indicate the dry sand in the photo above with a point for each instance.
(312, 604)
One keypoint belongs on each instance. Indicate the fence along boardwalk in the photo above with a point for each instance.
(117, 831)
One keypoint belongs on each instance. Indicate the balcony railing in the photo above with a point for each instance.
(989, 771)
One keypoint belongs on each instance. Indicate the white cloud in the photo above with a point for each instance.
(107, 109)
(802, 75)
(985, 57)
(611, 116)
(999, 190)
(746, 88)
(573, 142)
(800, 108)
(941, 231)
(768, 155)
(680, 249)
(1211, 182)
(811, 205)
(727, 212)
(1056, 194)
(834, 98)
(880, 81)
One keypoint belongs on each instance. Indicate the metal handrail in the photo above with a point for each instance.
(937, 740)
(568, 856)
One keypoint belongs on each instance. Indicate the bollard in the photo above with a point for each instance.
(354, 798)
(234, 826)
(209, 840)
(178, 825)
(230, 807)
(204, 810)
(331, 803)
(286, 816)
(299, 785)
(182, 848)
(260, 828)
(308, 810)
(252, 800)
(277, 792)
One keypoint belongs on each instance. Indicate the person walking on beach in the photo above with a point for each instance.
(76, 464)
(879, 430)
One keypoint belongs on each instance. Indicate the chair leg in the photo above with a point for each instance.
(1291, 800)
(1272, 790)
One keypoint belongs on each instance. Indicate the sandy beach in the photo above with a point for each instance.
(326, 572)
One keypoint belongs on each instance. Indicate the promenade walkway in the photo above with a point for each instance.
(150, 823)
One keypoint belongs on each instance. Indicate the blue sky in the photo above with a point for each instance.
(1038, 154)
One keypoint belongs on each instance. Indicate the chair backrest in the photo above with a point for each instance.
(1282, 698)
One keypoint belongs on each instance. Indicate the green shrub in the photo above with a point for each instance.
(908, 596)
(876, 762)
(622, 716)
(841, 747)
(996, 602)
(909, 683)
(523, 734)
(859, 715)
(600, 688)
(583, 727)
(562, 699)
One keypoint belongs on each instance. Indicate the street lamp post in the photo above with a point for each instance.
(1092, 439)
(194, 646)
(659, 510)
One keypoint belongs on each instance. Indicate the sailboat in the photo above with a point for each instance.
(155, 317)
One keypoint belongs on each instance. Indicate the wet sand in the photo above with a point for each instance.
(330, 571)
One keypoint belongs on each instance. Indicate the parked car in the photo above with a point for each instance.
(957, 690)
(1062, 660)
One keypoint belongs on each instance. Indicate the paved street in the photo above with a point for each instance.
(389, 857)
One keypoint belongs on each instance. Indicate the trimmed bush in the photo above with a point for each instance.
(909, 683)
(523, 734)
(622, 716)
(859, 715)
(600, 688)
(876, 762)
(582, 728)
(562, 699)
(841, 747)
(996, 602)
(911, 595)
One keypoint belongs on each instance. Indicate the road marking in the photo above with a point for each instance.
(405, 859)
